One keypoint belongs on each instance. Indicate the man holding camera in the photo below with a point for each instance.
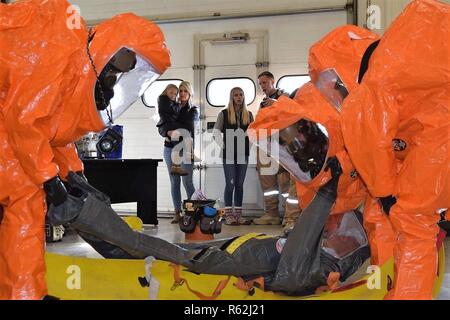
(273, 184)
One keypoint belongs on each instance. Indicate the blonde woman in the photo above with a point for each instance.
(230, 132)
(169, 109)
(179, 115)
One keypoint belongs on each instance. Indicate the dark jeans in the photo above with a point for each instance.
(234, 182)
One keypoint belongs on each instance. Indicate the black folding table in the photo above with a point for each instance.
(127, 180)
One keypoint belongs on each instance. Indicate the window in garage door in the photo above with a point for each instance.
(218, 90)
(291, 82)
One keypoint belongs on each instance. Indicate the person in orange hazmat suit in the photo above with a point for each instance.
(334, 65)
(397, 131)
(57, 82)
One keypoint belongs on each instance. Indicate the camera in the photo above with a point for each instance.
(109, 141)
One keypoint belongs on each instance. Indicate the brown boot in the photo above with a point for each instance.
(177, 217)
(238, 216)
(267, 220)
(230, 219)
(177, 170)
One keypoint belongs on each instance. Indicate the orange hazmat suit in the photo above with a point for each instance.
(341, 50)
(46, 103)
(396, 127)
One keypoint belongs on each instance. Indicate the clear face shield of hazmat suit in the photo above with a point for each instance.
(301, 149)
(122, 81)
(48, 104)
(332, 87)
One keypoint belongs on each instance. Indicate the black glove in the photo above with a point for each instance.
(387, 203)
(78, 186)
(81, 174)
(55, 191)
(335, 166)
(61, 207)
(66, 212)
(72, 189)
(331, 187)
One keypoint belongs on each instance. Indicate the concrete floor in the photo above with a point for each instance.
(72, 244)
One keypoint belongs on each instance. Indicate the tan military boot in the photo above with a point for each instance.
(267, 220)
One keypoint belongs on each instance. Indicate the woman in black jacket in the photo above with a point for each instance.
(176, 125)
(232, 123)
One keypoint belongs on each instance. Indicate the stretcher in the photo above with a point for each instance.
(74, 278)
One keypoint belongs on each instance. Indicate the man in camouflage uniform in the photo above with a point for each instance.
(280, 182)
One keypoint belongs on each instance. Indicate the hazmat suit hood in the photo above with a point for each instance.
(129, 31)
(139, 36)
(341, 50)
(310, 105)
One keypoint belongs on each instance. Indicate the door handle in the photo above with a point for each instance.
(199, 166)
